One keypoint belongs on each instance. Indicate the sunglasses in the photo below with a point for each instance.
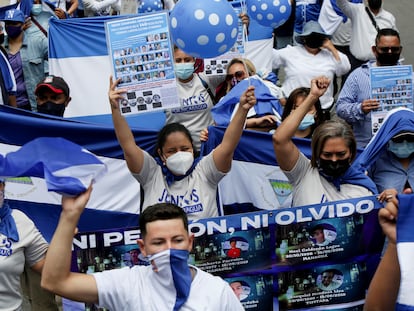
(386, 49)
(238, 75)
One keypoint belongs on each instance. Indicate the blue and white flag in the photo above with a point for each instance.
(66, 167)
(405, 250)
(267, 102)
(115, 199)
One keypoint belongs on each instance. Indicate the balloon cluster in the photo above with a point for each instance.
(269, 13)
(204, 28)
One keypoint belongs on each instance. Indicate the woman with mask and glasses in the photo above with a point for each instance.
(327, 176)
(314, 56)
(175, 175)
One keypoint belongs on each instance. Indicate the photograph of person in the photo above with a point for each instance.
(241, 289)
(323, 234)
(330, 279)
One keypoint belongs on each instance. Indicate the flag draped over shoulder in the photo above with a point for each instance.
(66, 167)
(396, 121)
(267, 103)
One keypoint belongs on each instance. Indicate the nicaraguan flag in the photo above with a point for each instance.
(66, 167)
(405, 250)
(267, 103)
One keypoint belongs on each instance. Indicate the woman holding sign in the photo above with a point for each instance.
(174, 175)
(328, 175)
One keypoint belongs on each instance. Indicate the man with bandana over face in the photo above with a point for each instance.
(167, 283)
(367, 18)
(354, 103)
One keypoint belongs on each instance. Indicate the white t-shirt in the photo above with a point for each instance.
(30, 249)
(196, 193)
(136, 289)
(301, 67)
(309, 187)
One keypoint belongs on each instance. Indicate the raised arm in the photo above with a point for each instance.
(383, 289)
(134, 156)
(223, 154)
(287, 154)
(56, 274)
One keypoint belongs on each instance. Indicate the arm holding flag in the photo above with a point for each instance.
(133, 154)
(223, 154)
(56, 275)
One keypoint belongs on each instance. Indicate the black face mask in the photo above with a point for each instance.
(52, 109)
(333, 168)
(374, 4)
(1, 38)
(388, 59)
(314, 41)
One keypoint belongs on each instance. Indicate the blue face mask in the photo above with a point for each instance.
(401, 150)
(307, 121)
(184, 71)
(36, 9)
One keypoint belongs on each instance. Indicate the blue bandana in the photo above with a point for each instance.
(352, 176)
(169, 176)
(7, 223)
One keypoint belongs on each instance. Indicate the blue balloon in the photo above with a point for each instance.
(148, 6)
(269, 13)
(204, 28)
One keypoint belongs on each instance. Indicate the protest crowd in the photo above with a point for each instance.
(313, 87)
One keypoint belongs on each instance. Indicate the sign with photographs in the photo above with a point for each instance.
(392, 86)
(141, 54)
(304, 258)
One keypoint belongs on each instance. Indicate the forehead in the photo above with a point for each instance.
(334, 145)
(165, 229)
(388, 41)
(235, 67)
(177, 139)
(181, 54)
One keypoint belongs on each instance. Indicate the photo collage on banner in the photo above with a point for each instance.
(141, 54)
(300, 258)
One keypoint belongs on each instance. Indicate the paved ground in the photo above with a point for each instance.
(402, 10)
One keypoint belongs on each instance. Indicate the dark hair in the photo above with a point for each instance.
(161, 211)
(291, 103)
(317, 227)
(166, 131)
(385, 32)
(332, 129)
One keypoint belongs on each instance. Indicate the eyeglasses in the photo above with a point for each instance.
(386, 49)
(238, 75)
(408, 138)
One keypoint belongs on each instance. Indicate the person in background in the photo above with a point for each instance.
(367, 19)
(175, 173)
(162, 285)
(328, 175)
(312, 119)
(314, 56)
(52, 96)
(20, 243)
(100, 7)
(7, 80)
(27, 55)
(354, 103)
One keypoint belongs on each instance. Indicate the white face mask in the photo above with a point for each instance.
(180, 162)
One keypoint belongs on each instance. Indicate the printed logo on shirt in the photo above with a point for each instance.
(5, 246)
(192, 103)
(190, 203)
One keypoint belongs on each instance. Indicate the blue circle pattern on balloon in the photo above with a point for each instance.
(148, 6)
(270, 13)
(204, 28)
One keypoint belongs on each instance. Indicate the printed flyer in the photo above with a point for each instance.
(392, 86)
(141, 55)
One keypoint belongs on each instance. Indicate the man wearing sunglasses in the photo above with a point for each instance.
(354, 103)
